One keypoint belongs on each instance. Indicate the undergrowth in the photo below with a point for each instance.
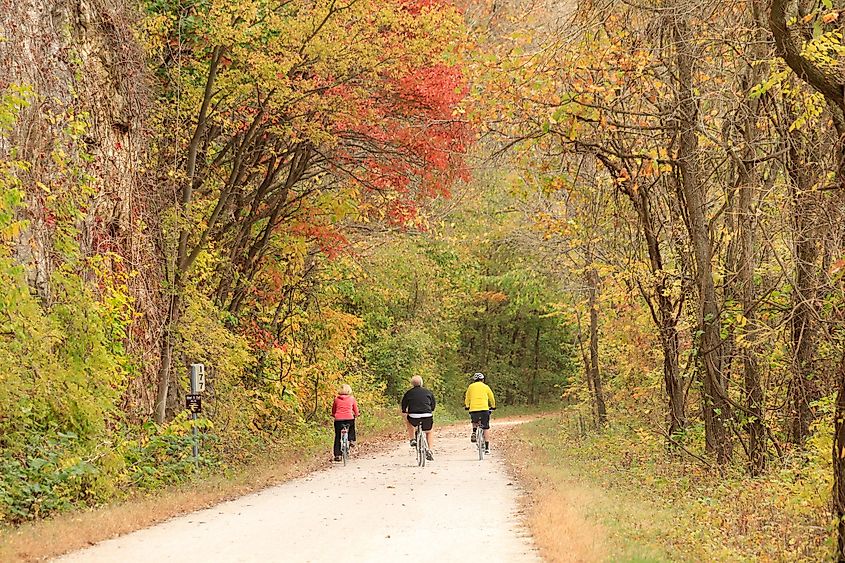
(657, 504)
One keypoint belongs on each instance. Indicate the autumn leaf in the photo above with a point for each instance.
(837, 267)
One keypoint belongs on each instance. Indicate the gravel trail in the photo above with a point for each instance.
(381, 507)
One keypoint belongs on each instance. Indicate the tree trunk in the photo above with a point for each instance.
(485, 334)
(185, 256)
(828, 81)
(707, 412)
(839, 461)
(694, 192)
(594, 373)
(665, 319)
(165, 369)
(747, 180)
(803, 390)
(753, 387)
(585, 358)
(664, 316)
(525, 363)
(676, 412)
(535, 378)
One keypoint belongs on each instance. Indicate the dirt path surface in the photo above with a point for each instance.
(381, 507)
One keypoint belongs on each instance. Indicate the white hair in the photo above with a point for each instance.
(416, 381)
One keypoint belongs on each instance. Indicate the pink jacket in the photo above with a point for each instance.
(345, 407)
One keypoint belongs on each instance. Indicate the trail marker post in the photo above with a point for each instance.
(193, 402)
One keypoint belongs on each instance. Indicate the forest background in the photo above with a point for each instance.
(636, 209)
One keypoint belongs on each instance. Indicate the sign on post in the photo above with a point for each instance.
(193, 402)
(197, 378)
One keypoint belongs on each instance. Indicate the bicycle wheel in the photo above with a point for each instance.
(422, 449)
(344, 448)
(479, 441)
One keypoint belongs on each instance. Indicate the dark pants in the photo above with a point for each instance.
(480, 417)
(337, 425)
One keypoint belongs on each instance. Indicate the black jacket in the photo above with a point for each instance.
(418, 400)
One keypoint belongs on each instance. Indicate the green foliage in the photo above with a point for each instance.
(49, 478)
(457, 301)
(511, 333)
(64, 366)
(58, 399)
(407, 305)
(159, 457)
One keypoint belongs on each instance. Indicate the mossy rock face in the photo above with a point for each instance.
(85, 74)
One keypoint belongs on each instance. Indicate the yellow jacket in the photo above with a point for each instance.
(479, 397)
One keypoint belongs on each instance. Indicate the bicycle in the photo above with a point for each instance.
(344, 443)
(422, 445)
(479, 439)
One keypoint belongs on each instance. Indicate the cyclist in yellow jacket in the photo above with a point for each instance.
(479, 401)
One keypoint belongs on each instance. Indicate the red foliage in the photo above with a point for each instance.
(260, 337)
(399, 136)
(417, 142)
(331, 242)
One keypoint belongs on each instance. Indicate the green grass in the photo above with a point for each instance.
(529, 410)
(456, 413)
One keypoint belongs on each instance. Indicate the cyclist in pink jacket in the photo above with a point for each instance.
(344, 412)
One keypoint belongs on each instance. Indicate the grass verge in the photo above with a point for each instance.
(624, 498)
(570, 518)
(70, 531)
(452, 413)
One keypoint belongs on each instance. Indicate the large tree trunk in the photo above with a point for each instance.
(694, 193)
(585, 358)
(747, 181)
(676, 411)
(803, 389)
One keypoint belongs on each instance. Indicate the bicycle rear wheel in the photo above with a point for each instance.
(479, 441)
(422, 449)
(344, 448)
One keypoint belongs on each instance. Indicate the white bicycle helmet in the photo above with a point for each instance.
(478, 377)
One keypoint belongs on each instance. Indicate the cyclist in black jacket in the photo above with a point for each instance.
(418, 407)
